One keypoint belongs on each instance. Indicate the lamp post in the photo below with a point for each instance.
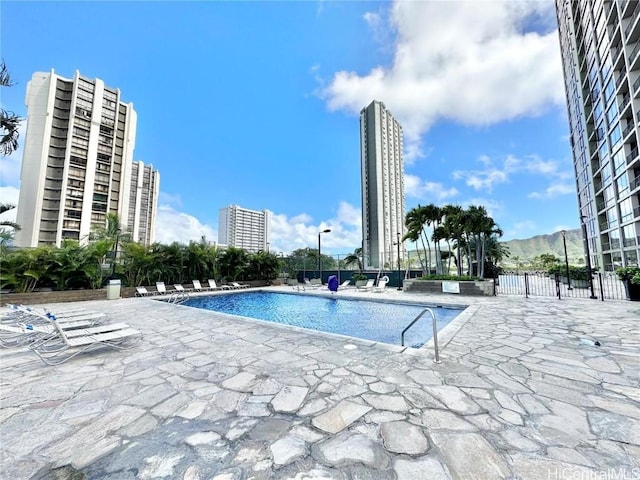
(319, 265)
(566, 259)
(586, 247)
(115, 253)
(399, 274)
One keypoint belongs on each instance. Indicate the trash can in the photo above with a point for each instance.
(113, 290)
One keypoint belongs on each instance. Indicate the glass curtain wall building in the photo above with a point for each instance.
(600, 45)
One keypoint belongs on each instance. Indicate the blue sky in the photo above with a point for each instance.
(256, 103)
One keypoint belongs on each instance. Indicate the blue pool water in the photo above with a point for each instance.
(378, 321)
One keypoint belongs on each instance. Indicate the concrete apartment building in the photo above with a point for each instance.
(77, 161)
(143, 201)
(600, 45)
(383, 201)
(243, 228)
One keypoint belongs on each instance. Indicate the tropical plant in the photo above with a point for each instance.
(7, 228)
(354, 258)
(9, 121)
(233, 263)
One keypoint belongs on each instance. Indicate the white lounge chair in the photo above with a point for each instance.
(143, 292)
(162, 289)
(309, 284)
(368, 286)
(180, 288)
(239, 285)
(345, 284)
(197, 286)
(213, 286)
(61, 345)
(382, 285)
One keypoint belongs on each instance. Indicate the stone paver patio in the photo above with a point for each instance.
(521, 393)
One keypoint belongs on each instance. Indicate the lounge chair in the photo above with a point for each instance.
(180, 288)
(213, 286)
(162, 289)
(143, 292)
(382, 285)
(21, 334)
(308, 283)
(366, 287)
(61, 345)
(345, 284)
(197, 286)
(239, 285)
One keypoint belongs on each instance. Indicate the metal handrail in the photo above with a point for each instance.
(435, 332)
(178, 297)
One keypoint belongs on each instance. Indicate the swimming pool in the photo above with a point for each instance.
(370, 320)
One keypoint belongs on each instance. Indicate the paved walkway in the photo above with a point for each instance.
(522, 393)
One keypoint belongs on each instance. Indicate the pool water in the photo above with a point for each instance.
(370, 320)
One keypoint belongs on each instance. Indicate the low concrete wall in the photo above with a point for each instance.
(34, 298)
(435, 286)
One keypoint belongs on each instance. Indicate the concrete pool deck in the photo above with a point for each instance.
(521, 393)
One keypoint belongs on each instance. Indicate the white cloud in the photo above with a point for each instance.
(415, 187)
(10, 165)
(170, 199)
(175, 226)
(291, 233)
(471, 62)
(554, 190)
(498, 171)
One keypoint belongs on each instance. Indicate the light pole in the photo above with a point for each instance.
(115, 253)
(586, 247)
(566, 258)
(399, 274)
(319, 265)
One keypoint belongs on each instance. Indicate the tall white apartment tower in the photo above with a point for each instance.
(600, 45)
(77, 159)
(143, 203)
(383, 203)
(243, 228)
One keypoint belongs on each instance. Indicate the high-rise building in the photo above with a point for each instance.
(383, 204)
(243, 228)
(600, 45)
(76, 166)
(143, 203)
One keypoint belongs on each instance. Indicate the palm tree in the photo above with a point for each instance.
(354, 259)
(9, 121)
(6, 234)
(454, 220)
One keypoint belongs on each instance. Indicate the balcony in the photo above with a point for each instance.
(629, 242)
(632, 22)
(635, 183)
(632, 155)
(630, 126)
(624, 102)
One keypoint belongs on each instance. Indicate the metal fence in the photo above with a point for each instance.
(606, 286)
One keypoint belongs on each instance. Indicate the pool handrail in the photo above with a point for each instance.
(435, 332)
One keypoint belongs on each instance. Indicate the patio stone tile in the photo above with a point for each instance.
(287, 449)
(340, 416)
(348, 448)
(425, 468)
(615, 427)
(403, 437)
(394, 403)
(455, 399)
(470, 457)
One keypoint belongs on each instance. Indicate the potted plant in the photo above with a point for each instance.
(630, 276)
(360, 279)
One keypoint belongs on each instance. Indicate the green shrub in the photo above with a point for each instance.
(463, 278)
(359, 276)
(629, 273)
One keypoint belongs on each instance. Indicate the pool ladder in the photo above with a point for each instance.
(435, 332)
(178, 297)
